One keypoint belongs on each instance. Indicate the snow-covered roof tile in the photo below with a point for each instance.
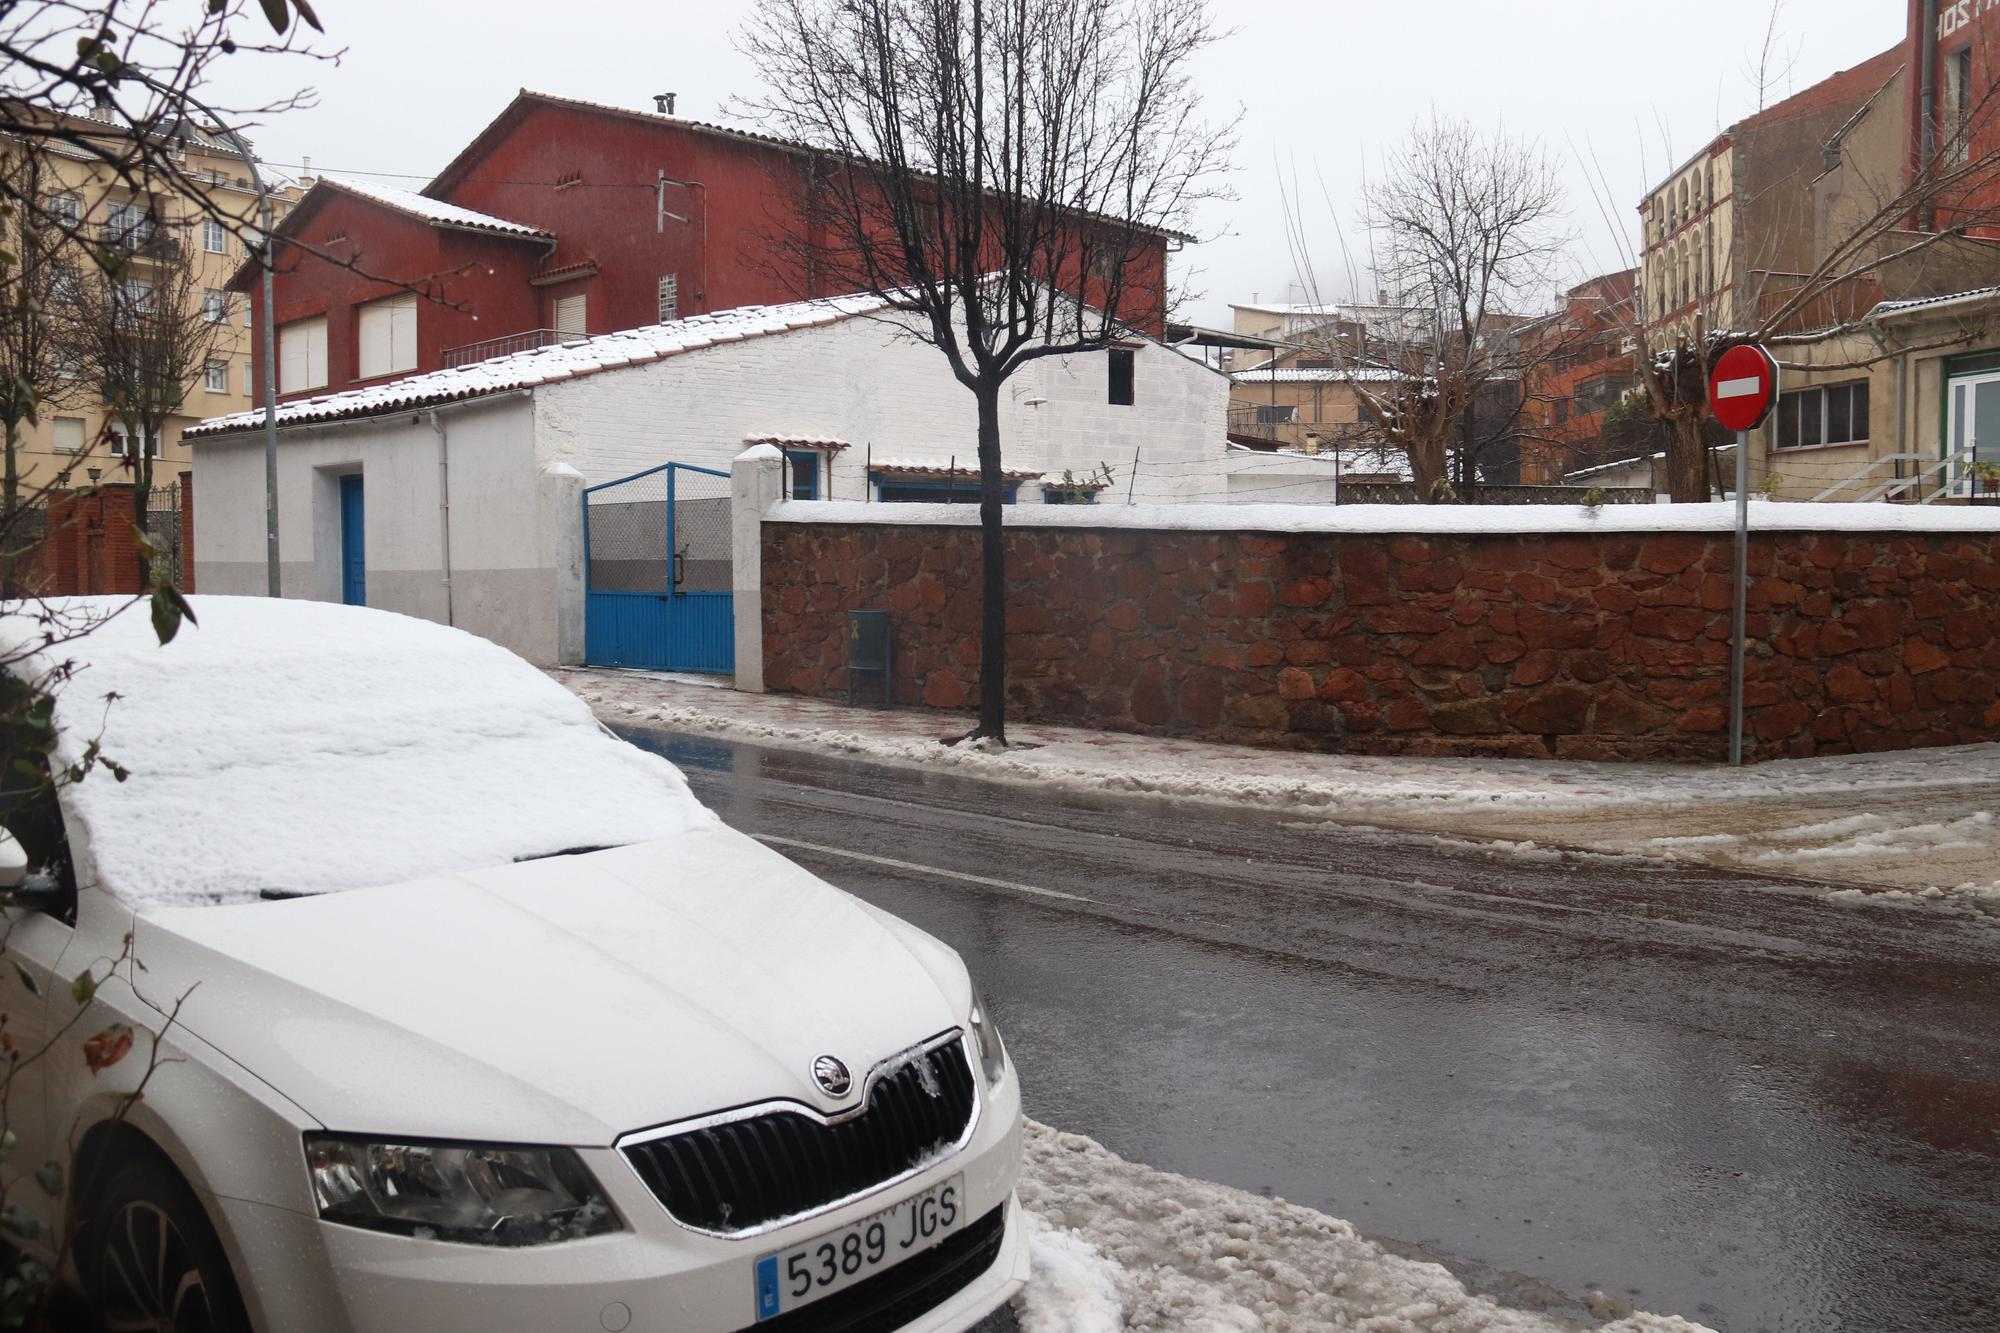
(942, 467)
(543, 365)
(1974, 296)
(1319, 375)
(433, 210)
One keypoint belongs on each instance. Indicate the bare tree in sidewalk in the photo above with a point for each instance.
(38, 260)
(995, 168)
(141, 338)
(1466, 232)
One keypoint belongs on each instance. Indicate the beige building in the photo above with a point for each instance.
(1735, 228)
(151, 226)
(1905, 406)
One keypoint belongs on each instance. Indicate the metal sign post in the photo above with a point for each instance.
(1741, 611)
(1742, 390)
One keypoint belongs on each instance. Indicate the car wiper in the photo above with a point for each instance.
(282, 895)
(566, 851)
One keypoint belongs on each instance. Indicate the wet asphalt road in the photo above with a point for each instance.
(1703, 1094)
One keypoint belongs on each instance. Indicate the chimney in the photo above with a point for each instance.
(664, 103)
(100, 105)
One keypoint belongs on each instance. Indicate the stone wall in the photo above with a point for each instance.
(1612, 646)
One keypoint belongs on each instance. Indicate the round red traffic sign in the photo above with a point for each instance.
(1743, 387)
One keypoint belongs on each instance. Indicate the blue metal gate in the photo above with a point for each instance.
(656, 560)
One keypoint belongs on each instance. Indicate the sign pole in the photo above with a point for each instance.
(1742, 390)
(1741, 609)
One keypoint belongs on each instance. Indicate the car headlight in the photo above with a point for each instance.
(479, 1194)
(992, 1055)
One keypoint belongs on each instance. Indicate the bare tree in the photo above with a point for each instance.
(37, 261)
(141, 338)
(1465, 231)
(997, 169)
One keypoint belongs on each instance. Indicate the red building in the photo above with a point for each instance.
(1578, 363)
(1954, 48)
(561, 218)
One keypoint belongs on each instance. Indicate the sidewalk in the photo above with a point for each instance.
(1918, 826)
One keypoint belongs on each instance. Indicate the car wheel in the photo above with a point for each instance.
(150, 1261)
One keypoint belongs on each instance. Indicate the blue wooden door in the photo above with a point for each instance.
(353, 545)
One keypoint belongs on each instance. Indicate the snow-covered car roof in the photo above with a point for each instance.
(305, 747)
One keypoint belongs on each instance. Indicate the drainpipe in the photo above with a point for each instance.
(1927, 111)
(444, 510)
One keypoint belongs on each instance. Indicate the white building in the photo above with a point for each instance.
(459, 495)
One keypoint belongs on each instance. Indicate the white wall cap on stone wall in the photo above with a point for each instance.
(761, 453)
(558, 468)
(1431, 520)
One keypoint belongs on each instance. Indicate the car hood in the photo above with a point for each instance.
(566, 1000)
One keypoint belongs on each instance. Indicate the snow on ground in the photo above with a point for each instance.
(1927, 827)
(1117, 1246)
(305, 747)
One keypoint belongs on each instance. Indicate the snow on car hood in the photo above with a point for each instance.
(306, 747)
(565, 1001)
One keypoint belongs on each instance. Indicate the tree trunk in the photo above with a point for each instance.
(10, 507)
(993, 575)
(1427, 470)
(10, 479)
(142, 499)
(1687, 460)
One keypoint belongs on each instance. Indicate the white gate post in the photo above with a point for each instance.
(755, 484)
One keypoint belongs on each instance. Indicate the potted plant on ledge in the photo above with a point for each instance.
(1986, 475)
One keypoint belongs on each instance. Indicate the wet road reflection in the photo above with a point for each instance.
(1705, 1095)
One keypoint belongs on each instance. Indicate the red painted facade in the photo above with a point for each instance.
(478, 285)
(1966, 34)
(589, 175)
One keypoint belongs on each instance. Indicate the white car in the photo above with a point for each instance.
(471, 1017)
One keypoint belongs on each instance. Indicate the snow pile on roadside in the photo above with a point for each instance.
(1916, 823)
(1117, 1245)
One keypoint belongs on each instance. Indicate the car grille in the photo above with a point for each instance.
(910, 1290)
(742, 1174)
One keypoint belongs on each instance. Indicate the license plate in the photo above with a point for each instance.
(826, 1264)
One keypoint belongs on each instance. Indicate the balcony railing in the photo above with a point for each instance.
(142, 240)
(505, 345)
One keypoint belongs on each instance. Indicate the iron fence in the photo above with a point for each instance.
(631, 522)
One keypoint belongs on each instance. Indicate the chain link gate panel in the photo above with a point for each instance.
(657, 577)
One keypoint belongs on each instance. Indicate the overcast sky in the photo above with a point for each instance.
(1321, 88)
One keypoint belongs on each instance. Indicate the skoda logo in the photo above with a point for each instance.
(832, 1076)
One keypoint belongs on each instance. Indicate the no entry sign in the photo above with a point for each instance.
(1743, 387)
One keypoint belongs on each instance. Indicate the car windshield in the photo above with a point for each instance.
(286, 748)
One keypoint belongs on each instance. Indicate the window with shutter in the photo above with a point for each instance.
(570, 316)
(388, 337)
(302, 355)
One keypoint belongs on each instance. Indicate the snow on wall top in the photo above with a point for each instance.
(549, 365)
(1434, 520)
(434, 210)
(307, 747)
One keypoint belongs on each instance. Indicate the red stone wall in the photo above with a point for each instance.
(1612, 647)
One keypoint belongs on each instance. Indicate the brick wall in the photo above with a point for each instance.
(1610, 646)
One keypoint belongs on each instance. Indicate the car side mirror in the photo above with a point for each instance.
(13, 861)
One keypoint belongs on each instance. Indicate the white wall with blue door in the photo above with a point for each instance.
(458, 522)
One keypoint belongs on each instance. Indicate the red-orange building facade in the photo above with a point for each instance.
(1579, 362)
